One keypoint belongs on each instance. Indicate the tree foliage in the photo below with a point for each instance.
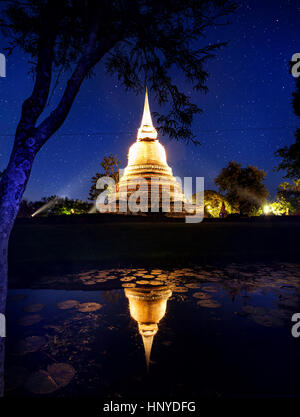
(110, 165)
(291, 154)
(53, 205)
(214, 202)
(142, 41)
(243, 187)
(280, 206)
(290, 192)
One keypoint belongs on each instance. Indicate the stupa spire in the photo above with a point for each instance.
(147, 341)
(147, 130)
(148, 306)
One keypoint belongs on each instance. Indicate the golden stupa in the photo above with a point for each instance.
(148, 306)
(147, 160)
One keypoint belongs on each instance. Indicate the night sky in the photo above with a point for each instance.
(247, 113)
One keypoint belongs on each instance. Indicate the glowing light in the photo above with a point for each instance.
(145, 152)
(147, 307)
(93, 209)
(267, 209)
(45, 207)
(147, 159)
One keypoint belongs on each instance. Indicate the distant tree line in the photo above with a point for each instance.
(241, 192)
(53, 206)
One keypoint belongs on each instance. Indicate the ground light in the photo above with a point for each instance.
(267, 209)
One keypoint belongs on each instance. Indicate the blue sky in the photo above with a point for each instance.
(247, 113)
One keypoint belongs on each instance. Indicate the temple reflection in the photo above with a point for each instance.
(148, 306)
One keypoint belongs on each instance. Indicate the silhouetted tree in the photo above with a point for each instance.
(57, 206)
(110, 165)
(69, 206)
(26, 209)
(137, 39)
(243, 187)
(291, 154)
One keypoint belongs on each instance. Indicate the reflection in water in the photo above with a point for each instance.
(148, 306)
(237, 325)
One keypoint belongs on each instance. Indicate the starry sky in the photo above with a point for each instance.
(247, 113)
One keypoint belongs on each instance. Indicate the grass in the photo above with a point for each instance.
(44, 248)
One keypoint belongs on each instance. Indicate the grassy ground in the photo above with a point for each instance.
(46, 248)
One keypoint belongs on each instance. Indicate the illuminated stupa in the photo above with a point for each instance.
(148, 307)
(147, 160)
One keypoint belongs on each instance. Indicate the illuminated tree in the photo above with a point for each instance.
(69, 206)
(137, 40)
(213, 203)
(281, 207)
(243, 187)
(60, 206)
(110, 165)
(290, 193)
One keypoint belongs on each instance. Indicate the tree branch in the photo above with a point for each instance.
(34, 105)
(53, 122)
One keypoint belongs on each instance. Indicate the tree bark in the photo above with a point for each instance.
(12, 186)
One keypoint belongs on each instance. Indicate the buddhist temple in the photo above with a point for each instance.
(148, 306)
(147, 160)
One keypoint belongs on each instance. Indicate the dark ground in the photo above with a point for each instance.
(40, 247)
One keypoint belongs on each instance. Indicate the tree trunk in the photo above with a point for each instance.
(3, 292)
(12, 186)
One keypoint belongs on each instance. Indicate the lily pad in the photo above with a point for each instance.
(62, 373)
(156, 282)
(201, 295)
(209, 303)
(193, 285)
(58, 376)
(88, 307)
(85, 275)
(101, 275)
(33, 308)
(41, 383)
(66, 305)
(99, 280)
(143, 282)
(127, 279)
(30, 344)
(30, 320)
(209, 288)
(180, 289)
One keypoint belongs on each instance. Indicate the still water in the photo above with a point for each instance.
(181, 333)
